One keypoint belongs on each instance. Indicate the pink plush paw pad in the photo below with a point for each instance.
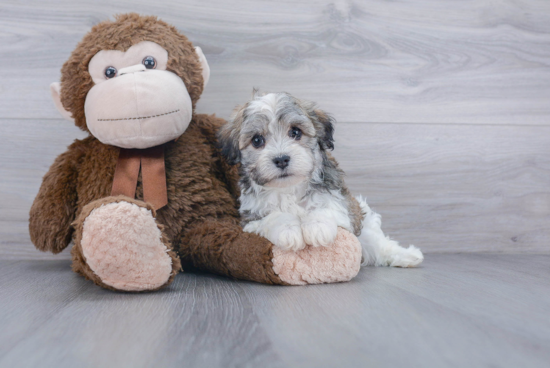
(123, 245)
(338, 262)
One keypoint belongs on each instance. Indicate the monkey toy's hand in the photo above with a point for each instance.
(339, 262)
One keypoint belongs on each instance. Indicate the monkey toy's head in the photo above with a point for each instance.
(132, 82)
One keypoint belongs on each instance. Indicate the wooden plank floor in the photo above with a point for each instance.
(462, 310)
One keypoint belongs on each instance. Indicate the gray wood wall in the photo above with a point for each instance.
(443, 106)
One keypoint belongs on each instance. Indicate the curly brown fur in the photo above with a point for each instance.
(230, 251)
(54, 207)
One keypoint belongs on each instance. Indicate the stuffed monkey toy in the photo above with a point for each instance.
(148, 191)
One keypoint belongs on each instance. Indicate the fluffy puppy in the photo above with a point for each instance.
(292, 190)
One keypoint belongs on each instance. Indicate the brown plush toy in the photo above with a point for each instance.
(148, 190)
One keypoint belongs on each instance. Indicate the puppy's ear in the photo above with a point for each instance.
(324, 127)
(228, 139)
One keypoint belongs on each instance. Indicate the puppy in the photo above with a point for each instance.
(292, 190)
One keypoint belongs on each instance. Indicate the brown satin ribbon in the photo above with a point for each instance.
(153, 175)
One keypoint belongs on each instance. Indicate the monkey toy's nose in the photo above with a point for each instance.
(281, 162)
(132, 69)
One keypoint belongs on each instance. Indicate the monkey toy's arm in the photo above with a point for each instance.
(54, 207)
(221, 246)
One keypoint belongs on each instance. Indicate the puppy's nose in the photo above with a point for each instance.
(281, 162)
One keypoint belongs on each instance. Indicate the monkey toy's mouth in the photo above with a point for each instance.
(139, 110)
(142, 117)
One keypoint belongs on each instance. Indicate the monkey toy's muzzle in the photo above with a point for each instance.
(139, 108)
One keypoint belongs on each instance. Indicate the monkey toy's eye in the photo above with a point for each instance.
(110, 72)
(295, 133)
(258, 141)
(149, 62)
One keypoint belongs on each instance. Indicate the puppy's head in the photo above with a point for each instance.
(278, 139)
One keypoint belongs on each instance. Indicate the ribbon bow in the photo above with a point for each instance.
(153, 175)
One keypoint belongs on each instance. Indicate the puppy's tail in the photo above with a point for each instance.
(379, 249)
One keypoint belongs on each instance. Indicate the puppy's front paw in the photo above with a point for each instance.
(290, 237)
(319, 232)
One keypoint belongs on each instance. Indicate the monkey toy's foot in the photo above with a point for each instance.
(120, 246)
(337, 262)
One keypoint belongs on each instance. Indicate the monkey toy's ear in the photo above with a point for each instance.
(55, 89)
(204, 65)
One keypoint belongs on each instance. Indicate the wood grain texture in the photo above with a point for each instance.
(475, 61)
(444, 188)
(455, 311)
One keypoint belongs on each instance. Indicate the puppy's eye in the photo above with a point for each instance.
(295, 133)
(149, 62)
(258, 141)
(110, 72)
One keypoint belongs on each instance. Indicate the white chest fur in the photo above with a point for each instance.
(262, 201)
(294, 216)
